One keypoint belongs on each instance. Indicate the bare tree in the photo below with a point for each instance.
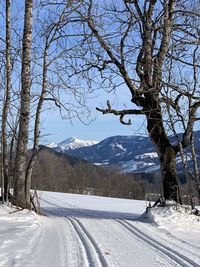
(21, 194)
(129, 43)
(180, 115)
(49, 55)
(6, 104)
(54, 34)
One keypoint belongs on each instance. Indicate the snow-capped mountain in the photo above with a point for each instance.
(71, 143)
(128, 153)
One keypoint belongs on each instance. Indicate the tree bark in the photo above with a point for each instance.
(166, 152)
(21, 193)
(37, 124)
(49, 40)
(6, 104)
(168, 173)
(195, 166)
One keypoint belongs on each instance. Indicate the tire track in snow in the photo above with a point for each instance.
(182, 245)
(94, 255)
(74, 255)
(167, 251)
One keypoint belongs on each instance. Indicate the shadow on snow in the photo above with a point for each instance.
(73, 211)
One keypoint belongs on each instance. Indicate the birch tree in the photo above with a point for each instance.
(53, 32)
(21, 192)
(47, 54)
(6, 104)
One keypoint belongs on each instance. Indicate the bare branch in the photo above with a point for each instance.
(120, 113)
(54, 100)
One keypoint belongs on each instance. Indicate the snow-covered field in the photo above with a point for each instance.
(97, 231)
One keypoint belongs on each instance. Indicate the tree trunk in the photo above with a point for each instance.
(37, 122)
(168, 173)
(195, 166)
(6, 104)
(35, 150)
(165, 150)
(7, 101)
(21, 197)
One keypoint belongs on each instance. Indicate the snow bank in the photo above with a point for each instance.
(178, 221)
(177, 216)
(30, 240)
(18, 232)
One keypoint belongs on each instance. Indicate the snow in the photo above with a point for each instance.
(52, 145)
(121, 147)
(101, 163)
(179, 221)
(116, 146)
(72, 143)
(179, 159)
(132, 166)
(98, 231)
(152, 168)
(147, 155)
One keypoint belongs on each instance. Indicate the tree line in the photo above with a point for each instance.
(60, 173)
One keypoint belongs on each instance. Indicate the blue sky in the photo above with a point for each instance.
(57, 129)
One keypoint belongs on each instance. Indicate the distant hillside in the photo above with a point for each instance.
(128, 153)
(58, 172)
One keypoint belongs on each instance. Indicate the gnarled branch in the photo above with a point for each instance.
(120, 113)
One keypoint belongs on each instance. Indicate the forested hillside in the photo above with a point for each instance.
(57, 172)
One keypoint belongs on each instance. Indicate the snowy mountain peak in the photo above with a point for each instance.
(52, 145)
(71, 143)
(69, 140)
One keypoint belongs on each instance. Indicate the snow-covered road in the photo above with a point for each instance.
(89, 231)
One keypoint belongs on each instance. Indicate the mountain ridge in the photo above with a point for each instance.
(130, 153)
(71, 143)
